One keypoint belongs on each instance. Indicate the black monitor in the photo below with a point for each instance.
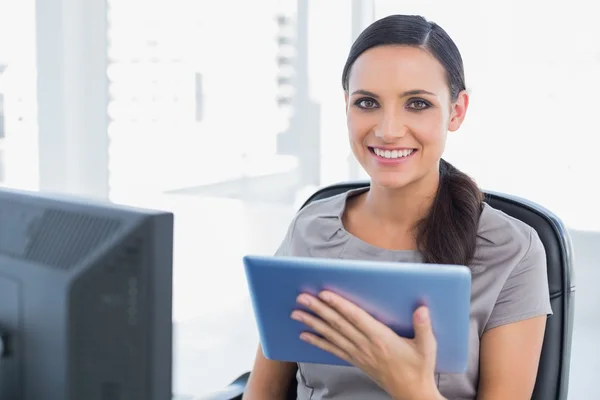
(85, 300)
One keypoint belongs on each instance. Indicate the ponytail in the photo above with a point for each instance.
(448, 235)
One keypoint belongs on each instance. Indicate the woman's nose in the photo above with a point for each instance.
(390, 129)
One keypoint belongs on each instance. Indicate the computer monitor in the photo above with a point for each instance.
(85, 300)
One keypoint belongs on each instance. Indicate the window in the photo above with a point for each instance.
(273, 130)
(199, 97)
(2, 123)
(18, 96)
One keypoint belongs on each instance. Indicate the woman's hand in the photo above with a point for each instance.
(404, 368)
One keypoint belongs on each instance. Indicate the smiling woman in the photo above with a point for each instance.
(404, 97)
(404, 88)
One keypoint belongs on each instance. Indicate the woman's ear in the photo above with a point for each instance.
(459, 111)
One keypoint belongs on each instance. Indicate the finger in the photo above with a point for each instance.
(338, 322)
(325, 345)
(362, 321)
(424, 337)
(325, 330)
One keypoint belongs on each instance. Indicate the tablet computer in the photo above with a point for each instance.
(389, 291)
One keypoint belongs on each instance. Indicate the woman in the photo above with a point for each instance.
(404, 88)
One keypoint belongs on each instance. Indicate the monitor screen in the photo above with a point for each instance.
(85, 299)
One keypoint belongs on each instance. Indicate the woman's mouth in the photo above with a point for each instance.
(392, 155)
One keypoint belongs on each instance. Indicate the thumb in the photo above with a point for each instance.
(424, 337)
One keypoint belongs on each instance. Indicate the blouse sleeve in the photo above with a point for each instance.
(525, 293)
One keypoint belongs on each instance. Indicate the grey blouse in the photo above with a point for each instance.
(509, 284)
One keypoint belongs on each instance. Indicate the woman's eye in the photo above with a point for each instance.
(418, 105)
(366, 103)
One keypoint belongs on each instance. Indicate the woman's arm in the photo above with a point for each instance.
(509, 358)
(269, 380)
(512, 341)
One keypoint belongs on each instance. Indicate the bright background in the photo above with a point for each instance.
(214, 110)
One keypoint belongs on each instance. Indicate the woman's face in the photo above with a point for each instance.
(399, 111)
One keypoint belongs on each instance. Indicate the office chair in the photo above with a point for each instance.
(552, 381)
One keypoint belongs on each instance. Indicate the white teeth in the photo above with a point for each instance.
(393, 153)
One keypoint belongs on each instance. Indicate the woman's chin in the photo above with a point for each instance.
(390, 181)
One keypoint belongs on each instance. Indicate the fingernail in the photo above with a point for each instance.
(324, 296)
(423, 315)
(295, 315)
(302, 299)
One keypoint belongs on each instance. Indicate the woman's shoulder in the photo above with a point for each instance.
(317, 229)
(324, 212)
(502, 237)
(494, 225)
(509, 271)
(328, 207)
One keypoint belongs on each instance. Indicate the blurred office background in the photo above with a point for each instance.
(230, 113)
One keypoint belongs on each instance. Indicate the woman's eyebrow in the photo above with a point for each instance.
(413, 92)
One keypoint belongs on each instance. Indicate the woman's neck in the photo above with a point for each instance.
(402, 207)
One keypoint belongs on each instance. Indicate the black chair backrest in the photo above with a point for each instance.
(553, 374)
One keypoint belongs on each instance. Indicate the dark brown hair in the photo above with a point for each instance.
(448, 234)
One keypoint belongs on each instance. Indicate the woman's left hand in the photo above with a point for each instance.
(404, 368)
